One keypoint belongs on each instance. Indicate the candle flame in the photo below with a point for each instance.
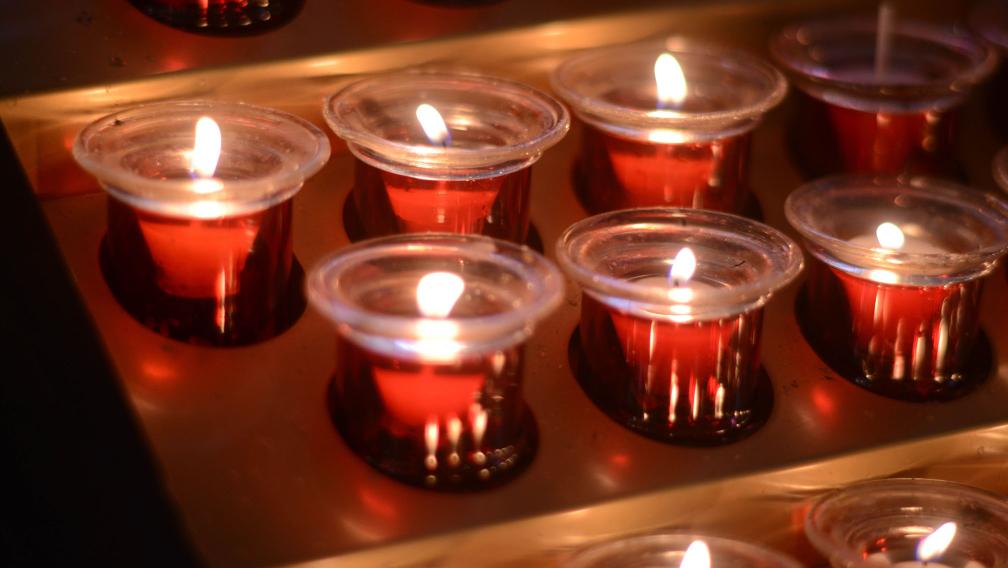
(697, 556)
(934, 544)
(433, 125)
(206, 149)
(890, 236)
(437, 293)
(683, 266)
(670, 80)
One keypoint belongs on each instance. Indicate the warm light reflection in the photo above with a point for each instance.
(697, 556)
(890, 236)
(934, 544)
(670, 80)
(433, 125)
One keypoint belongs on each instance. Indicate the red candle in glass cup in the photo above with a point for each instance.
(893, 301)
(198, 245)
(879, 96)
(666, 124)
(671, 317)
(444, 152)
(431, 326)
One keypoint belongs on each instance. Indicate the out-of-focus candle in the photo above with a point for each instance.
(868, 112)
(444, 152)
(676, 550)
(671, 314)
(666, 124)
(198, 244)
(431, 326)
(893, 301)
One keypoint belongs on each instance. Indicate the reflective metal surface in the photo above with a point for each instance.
(262, 478)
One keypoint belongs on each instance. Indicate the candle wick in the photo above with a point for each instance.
(883, 40)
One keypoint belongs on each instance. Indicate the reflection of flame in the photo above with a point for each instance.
(670, 80)
(697, 556)
(437, 293)
(433, 125)
(683, 266)
(890, 236)
(935, 543)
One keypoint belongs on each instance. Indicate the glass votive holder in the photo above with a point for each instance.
(671, 318)
(221, 17)
(444, 152)
(989, 19)
(666, 123)
(886, 111)
(910, 523)
(431, 329)
(675, 550)
(198, 246)
(892, 301)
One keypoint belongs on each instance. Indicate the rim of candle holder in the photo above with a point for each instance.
(832, 519)
(798, 48)
(813, 208)
(990, 20)
(1000, 169)
(572, 80)
(661, 550)
(545, 122)
(112, 147)
(666, 230)
(538, 284)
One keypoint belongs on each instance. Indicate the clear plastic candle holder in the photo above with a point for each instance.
(666, 123)
(989, 19)
(198, 245)
(675, 550)
(892, 301)
(431, 328)
(910, 523)
(863, 113)
(671, 318)
(444, 152)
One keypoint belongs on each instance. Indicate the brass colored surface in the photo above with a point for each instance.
(262, 478)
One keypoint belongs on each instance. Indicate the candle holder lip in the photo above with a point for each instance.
(814, 211)
(578, 81)
(287, 151)
(966, 61)
(771, 260)
(990, 21)
(659, 550)
(541, 122)
(534, 287)
(834, 520)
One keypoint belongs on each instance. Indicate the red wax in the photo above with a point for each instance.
(457, 425)
(839, 139)
(389, 203)
(693, 381)
(904, 341)
(618, 173)
(221, 281)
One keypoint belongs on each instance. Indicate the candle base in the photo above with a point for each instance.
(626, 413)
(827, 331)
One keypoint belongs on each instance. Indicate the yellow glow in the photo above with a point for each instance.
(934, 544)
(433, 125)
(697, 556)
(670, 80)
(890, 236)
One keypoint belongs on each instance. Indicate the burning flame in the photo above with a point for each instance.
(437, 293)
(205, 155)
(890, 236)
(683, 266)
(433, 125)
(934, 544)
(670, 80)
(697, 555)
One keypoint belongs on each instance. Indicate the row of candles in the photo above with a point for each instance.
(432, 314)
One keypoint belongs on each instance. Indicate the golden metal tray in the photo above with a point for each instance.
(262, 478)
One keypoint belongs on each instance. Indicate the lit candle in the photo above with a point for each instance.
(675, 355)
(896, 308)
(198, 244)
(674, 550)
(443, 152)
(428, 382)
(870, 102)
(663, 126)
